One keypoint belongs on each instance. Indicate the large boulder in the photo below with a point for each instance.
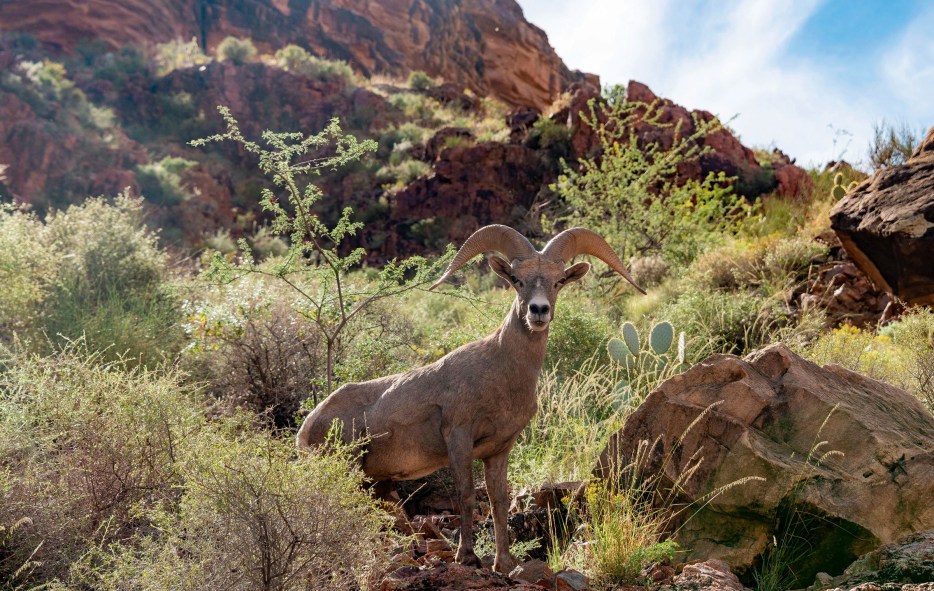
(886, 224)
(774, 416)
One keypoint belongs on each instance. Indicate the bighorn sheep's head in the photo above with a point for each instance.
(536, 276)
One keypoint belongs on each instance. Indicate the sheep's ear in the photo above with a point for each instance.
(502, 268)
(575, 272)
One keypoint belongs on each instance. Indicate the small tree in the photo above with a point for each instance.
(632, 194)
(318, 263)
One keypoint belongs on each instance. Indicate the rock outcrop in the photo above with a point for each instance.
(484, 45)
(886, 224)
(907, 565)
(775, 416)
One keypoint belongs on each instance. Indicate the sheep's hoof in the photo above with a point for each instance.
(467, 557)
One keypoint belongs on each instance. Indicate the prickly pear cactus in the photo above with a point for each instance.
(643, 365)
(839, 190)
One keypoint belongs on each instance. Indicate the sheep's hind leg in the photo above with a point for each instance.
(494, 470)
(460, 447)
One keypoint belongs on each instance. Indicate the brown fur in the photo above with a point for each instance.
(470, 404)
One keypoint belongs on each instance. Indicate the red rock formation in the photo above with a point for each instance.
(484, 45)
(886, 224)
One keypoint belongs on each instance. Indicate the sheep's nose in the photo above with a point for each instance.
(539, 309)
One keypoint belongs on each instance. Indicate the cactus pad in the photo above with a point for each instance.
(631, 336)
(661, 337)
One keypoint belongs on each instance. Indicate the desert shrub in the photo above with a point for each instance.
(236, 50)
(161, 182)
(113, 478)
(551, 137)
(901, 353)
(256, 515)
(631, 193)
(727, 322)
(297, 60)
(419, 108)
(892, 145)
(256, 347)
(93, 272)
(255, 351)
(648, 271)
(770, 265)
(176, 55)
(404, 172)
(266, 245)
(419, 80)
(84, 445)
(407, 134)
(27, 271)
(109, 286)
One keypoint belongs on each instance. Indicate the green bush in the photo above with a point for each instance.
(93, 272)
(160, 182)
(27, 271)
(114, 478)
(297, 60)
(83, 446)
(632, 195)
(901, 353)
(254, 515)
(727, 322)
(419, 80)
(109, 286)
(178, 54)
(236, 50)
(576, 336)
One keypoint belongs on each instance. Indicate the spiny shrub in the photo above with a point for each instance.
(419, 80)
(255, 515)
(83, 445)
(114, 479)
(236, 50)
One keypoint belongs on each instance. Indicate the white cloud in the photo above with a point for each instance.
(733, 57)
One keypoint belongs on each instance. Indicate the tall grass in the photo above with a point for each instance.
(575, 418)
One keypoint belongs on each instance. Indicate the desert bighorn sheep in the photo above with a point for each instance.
(475, 401)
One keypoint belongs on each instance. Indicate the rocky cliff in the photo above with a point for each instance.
(484, 45)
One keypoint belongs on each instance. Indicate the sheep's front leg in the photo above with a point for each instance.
(495, 472)
(460, 446)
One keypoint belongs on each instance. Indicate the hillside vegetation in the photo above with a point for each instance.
(156, 359)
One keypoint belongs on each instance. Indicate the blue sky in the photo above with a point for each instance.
(810, 77)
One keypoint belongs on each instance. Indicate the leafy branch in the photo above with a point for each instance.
(314, 266)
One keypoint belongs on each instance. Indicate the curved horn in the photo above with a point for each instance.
(570, 243)
(493, 238)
